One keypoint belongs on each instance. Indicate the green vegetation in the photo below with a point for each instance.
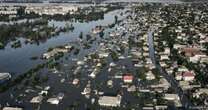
(21, 77)
(156, 72)
(141, 73)
(58, 55)
(114, 56)
(168, 36)
(81, 35)
(26, 30)
(83, 15)
(87, 46)
(32, 31)
(33, 75)
(1, 45)
(16, 44)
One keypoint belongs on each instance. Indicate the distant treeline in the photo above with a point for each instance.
(53, 1)
(195, 1)
(80, 15)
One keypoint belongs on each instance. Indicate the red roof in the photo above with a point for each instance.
(191, 51)
(188, 74)
(128, 77)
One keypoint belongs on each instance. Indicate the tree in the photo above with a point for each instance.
(81, 35)
(116, 18)
(1, 45)
(21, 11)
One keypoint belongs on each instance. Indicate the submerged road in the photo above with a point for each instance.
(183, 98)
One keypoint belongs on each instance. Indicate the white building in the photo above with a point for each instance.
(103, 55)
(182, 69)
(167, 51)
(164, 57)
(197, 58)
(171, 97)
(111, 101)
(178, 46)
(178, 76)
